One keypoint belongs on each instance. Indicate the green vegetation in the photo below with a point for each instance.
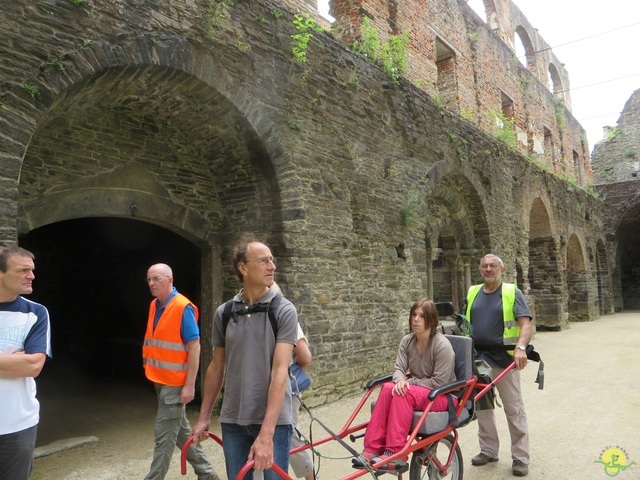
(305, 27)
(217, 12)
(57, 63)
(275, 12)
(31, 89)
(506, 129)
(391, 55)
(437, 99)
(467, 114)
(559, 109)
(293, 125)
(612, 133)
(409, 211)
(243, 47)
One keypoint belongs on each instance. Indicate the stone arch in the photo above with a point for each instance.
(487, 10)
(554, 82)
(577, 280)
(545, 277)
(97, 265)
(456, 232)
(628, 257)
(603, 279)
(128, 80)
(529, 50)
(157, 133)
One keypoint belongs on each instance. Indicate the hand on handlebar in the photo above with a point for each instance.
(262, 452)
(520, 358)
(200, 432)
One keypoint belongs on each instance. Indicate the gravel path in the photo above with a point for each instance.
(590, 404)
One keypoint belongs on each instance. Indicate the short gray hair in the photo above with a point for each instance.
(494, 256)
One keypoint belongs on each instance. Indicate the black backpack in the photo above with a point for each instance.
(270, 308)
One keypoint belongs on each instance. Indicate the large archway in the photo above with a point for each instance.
(90, 275)
(577, 281)
(130, 167)
(545, 277)
(456, 235)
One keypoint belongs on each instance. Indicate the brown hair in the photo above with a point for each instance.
(240, 254)
(428, 308)
(13, 251)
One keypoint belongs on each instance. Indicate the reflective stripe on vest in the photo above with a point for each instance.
(511, 326)
(165, 356)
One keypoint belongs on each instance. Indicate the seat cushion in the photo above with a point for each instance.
(436, 421)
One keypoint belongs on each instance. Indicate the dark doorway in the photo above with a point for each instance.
(90, 275)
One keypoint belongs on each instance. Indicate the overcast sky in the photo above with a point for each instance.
(599, 43)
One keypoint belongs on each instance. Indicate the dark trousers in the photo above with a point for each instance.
(16, 454)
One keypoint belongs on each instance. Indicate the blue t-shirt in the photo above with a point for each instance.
(189, 327)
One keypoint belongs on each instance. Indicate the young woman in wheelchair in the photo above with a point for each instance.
(425, 361)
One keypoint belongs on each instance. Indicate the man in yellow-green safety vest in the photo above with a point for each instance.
(501, 322)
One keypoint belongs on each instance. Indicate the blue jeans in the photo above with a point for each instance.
(237, 441)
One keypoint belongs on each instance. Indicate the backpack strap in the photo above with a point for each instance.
(271, 312)
(226, 316)
(270, 308)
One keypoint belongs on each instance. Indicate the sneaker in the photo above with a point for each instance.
(482, 459)
(520, 469)
(392, 466)
(364, 457)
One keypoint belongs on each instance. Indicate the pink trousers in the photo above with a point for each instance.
(392, 416)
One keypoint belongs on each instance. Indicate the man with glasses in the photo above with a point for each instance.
(252, 358)
(171, 356)
(501, 322)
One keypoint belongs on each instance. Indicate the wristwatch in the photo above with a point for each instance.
(520, 347)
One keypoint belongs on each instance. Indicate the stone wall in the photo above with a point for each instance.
(370, 193)
(617, 158)
(469, 65)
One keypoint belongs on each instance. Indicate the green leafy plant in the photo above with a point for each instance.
(437, 99)
(612, 133)
(275, 12)
(559, 110)
(293, 125)
(260, 18)
(467, 113)
(391, 55)
(354, 77)
(409, 211)
(243, 47)
(79, 2)
(86, 42)
(57, 63)
(305, 27)
(31, 89)
(506, 132)
(629, 153)
(217, 12)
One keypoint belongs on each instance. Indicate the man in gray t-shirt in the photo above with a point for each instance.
(501, 323)
(252, 358)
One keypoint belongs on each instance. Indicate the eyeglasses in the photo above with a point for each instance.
(486, 266)
(263, 261)
(154, 279)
